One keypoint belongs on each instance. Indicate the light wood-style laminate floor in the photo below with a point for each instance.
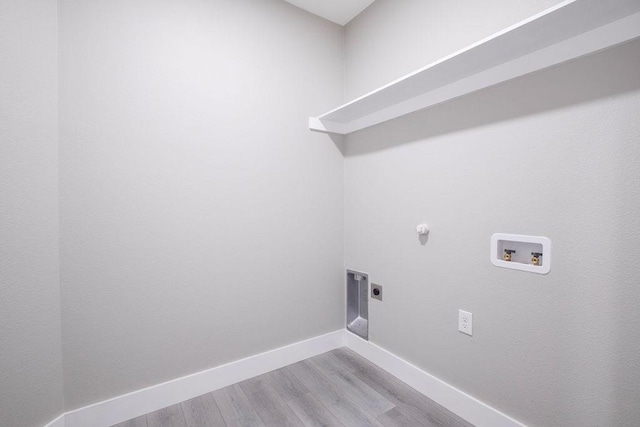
(338, 388)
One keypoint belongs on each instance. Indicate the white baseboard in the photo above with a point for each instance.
(458, 402)
(140, 402)
(58, 422)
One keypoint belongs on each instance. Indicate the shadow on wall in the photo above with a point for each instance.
(339, 142)
(601, 75)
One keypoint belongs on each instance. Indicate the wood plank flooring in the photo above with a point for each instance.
(338, 388)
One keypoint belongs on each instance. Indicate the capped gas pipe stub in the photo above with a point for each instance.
(422, 229)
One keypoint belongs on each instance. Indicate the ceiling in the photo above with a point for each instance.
(338, 11)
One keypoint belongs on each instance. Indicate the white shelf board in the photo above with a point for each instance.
(566, 31)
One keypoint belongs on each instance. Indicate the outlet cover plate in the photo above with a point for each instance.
(376, 292)
(465, 322)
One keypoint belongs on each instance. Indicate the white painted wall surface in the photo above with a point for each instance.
(393, 38)
(30, 355)
(201, 221)
(555, 154)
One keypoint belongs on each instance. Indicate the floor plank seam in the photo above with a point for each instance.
(336, 388)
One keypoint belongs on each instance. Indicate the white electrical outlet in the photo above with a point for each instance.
(465, 322)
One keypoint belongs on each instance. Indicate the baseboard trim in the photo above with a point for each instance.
(140, 402)
(468, 407)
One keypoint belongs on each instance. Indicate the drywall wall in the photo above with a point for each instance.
(30, 356)
(391, 39)
(554, 153)
(201, 222)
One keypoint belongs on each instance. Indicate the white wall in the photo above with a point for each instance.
(553, 154)
(30, 355)
(201, 222)
(393, 38)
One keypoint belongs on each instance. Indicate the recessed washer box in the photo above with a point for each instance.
(358, 303)
(526, 253)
